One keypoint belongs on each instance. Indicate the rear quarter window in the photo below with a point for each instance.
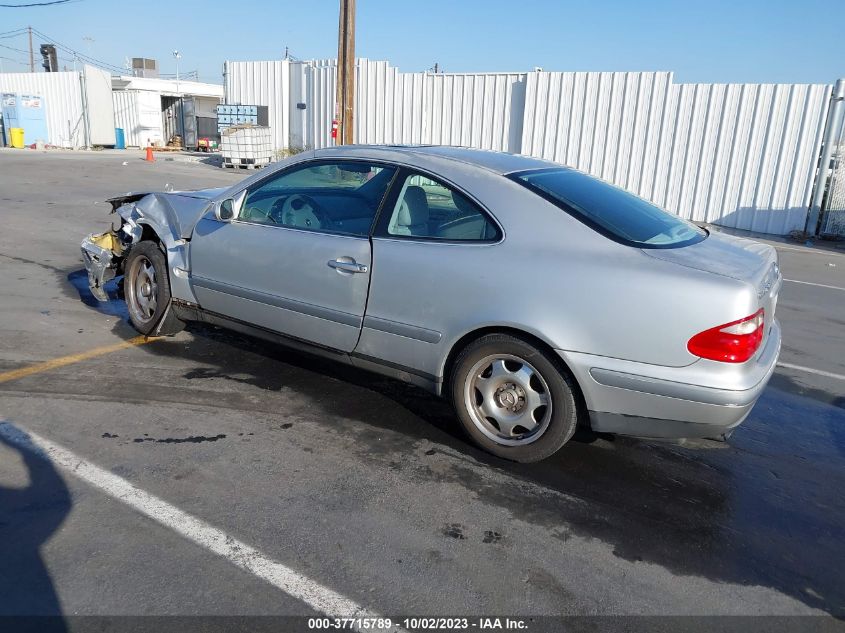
(610, 210)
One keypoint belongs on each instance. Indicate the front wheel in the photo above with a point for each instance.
(146, 287)
(512, 399)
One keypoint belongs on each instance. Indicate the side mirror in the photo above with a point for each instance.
(225, 211)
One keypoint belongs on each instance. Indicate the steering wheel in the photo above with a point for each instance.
(301, 211)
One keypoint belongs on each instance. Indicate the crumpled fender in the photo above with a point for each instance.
(172, 216)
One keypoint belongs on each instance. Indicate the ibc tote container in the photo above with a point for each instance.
(246, 145)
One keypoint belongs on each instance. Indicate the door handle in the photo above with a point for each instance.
(348, 266)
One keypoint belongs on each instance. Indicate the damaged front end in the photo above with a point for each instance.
(103, 253)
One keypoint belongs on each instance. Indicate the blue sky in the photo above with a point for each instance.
(701, 41)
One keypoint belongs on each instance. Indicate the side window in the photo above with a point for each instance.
(340, 197)
(429, 209)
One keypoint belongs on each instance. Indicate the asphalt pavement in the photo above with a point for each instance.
(343, 485)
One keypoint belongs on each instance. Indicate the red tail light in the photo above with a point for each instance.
(733, 342)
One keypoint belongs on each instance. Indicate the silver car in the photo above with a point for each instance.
(533, 296)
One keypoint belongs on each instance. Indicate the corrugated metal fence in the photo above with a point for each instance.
(391, 106)
(738, 155)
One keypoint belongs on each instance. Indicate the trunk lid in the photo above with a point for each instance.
(722, 254)
(734, 257)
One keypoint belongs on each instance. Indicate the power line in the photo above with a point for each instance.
(17, 61)
(81, 56)
(35, 4)
(12, 48)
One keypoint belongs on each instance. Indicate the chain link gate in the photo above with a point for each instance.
(834, 203)
(833, 157)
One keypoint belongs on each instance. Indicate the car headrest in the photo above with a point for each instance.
(414, 208)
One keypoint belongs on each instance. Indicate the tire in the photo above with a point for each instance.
(512, 399)
(147, 291)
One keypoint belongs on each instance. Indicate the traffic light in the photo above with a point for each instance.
(50, 60)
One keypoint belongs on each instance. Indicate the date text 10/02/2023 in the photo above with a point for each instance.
(418, 624)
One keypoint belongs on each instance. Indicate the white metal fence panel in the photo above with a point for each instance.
(98, 101)
(320, 83)
(389, 104)
(483, 110)
(607, 124)
(738, 155)
(62, 95)
(263, 83)
(745, 154)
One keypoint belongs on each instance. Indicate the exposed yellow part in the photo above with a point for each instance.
(70, 359)
(108, 241)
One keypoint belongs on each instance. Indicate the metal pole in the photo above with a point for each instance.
(31, 56)
(86, 124)
(177, 56)
(831, 133)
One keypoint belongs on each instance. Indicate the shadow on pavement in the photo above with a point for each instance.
(28, 517)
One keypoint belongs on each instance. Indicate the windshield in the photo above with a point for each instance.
(610, 210)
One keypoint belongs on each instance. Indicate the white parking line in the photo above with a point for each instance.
(811, 283)
(810, 370)
(809, 250)
(244, 556)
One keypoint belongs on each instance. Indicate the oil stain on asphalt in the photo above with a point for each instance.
(193, 439)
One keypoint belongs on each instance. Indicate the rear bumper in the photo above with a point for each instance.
(704, 399)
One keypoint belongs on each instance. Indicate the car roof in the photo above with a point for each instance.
(498, 162)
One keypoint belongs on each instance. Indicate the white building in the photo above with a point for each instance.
(150, 110)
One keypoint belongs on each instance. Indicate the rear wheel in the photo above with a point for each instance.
(146, 287)
(512, 399)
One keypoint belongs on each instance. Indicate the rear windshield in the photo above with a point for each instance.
(610, 210)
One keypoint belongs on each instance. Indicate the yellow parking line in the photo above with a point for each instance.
(70, 359)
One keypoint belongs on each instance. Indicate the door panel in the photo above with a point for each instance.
(297, 258)
(281, 279)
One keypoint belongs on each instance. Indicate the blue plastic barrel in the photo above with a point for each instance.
(119, 138)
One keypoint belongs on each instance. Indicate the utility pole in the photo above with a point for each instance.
(31, 56)
(346, 71)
